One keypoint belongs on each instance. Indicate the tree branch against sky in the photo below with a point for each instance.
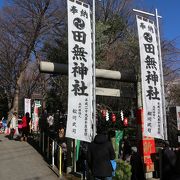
(40, 27)
(23, 25)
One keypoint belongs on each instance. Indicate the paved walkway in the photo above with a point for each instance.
(20, 161)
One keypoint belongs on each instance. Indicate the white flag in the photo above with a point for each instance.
(27, 106)
(151, 79)
(79, 122)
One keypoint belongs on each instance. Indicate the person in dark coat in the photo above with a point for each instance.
(126, 149)
(168, 163)
(176, 176)
(137, 168)
(83, 158)
(100, 152)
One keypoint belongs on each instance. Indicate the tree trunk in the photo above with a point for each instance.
(15, 101)
(15, 107)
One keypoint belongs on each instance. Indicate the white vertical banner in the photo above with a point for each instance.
(178, 117)
(151, 79)
(27, 106)
(36, 118)
(79, 122)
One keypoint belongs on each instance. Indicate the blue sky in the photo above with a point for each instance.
(168, 9)
(170, 12)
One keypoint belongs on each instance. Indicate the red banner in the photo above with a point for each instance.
(148, 147)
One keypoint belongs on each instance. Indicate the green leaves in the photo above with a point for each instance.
(123, 171)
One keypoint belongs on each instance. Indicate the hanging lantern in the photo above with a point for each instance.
(125, 122)
(113, 117)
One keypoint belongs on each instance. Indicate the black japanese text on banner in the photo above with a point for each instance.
(79, 123)
(150, 75)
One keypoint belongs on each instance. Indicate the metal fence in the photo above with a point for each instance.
(50, 149)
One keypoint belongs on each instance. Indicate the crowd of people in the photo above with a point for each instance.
(95, 158)
(101, 154)
(53, 125)
(18, 127)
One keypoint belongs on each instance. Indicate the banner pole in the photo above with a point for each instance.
(53, 153)
(48, 144)
(144, 140)
(43, 142)
(60, 161)
(94, 71)
(162, 78)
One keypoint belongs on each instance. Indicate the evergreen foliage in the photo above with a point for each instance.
(123, 171)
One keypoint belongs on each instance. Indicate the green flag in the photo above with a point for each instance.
(118, 138)
(77, 149)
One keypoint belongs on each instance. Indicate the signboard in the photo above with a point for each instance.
(178, 117)
(148, 145)
(37, 103)
(151, 79)
(79, 122)
(27, 106)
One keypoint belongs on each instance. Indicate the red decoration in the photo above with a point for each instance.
(113, 117)
(125, 121)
